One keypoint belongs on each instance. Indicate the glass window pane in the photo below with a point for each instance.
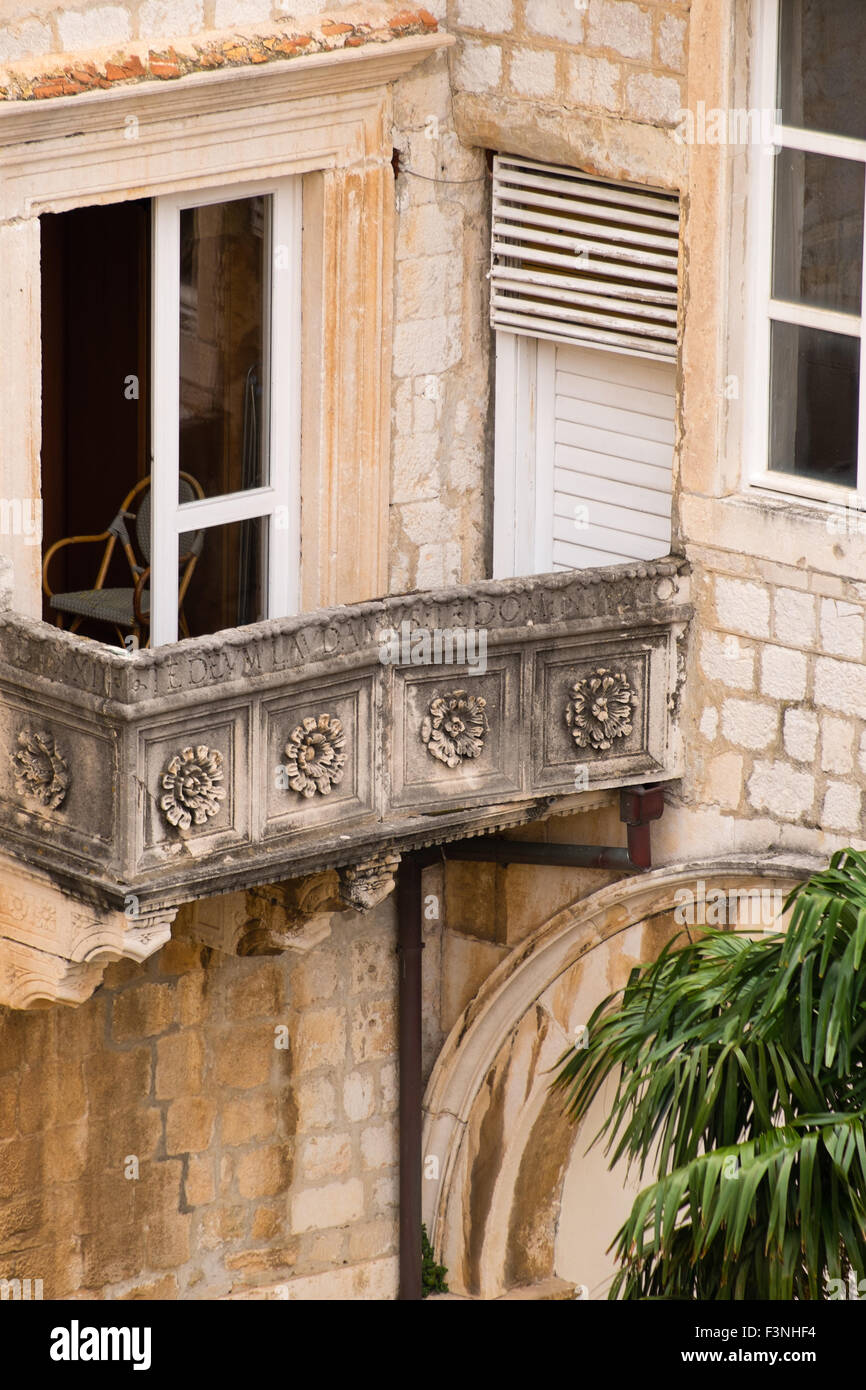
(814, 393)
(822, 44)
(226, 586)
(818, 231)
(224, 337)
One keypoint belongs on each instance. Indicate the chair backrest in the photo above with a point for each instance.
(191, 542)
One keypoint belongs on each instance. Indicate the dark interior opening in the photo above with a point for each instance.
(95, 385)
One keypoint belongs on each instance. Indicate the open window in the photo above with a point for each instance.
(584, 305)
(171, 413)
(807, 434)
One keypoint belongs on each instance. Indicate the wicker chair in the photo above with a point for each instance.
(127, 609)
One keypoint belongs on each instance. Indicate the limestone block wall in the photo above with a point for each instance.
(440, 512)
(776, 705)
(612, 56)
(209, 1126)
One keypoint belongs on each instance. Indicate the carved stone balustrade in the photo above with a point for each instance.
(335, 740)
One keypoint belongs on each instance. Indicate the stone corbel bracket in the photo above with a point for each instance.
(364, 886)
(54, 948)
(291, 916)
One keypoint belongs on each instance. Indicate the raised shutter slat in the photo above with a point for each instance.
(580, 259)
(613, 262)
(530, 174)
(558, 333)
(622, 230)
(576, 289)
(579, 315)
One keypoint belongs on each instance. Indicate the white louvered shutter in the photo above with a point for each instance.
(612, 451)
(584, 301)
(580, 259)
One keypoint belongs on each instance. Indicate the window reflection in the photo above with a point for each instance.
(228, 588)
(822, 47)
(224, 344)
(814, 384)
(818, 234)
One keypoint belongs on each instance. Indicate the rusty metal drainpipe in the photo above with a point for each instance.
(409, 948)
(638, 806)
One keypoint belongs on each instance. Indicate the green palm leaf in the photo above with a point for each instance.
(740, 1082)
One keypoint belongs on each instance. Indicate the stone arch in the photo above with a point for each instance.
(502, 1145)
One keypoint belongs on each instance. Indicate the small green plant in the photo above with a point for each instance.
(432, 1275)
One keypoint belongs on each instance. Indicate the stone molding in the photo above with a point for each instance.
(364, 886)
(232, 97)
(54, 948)
(330, 637)
(291, 916)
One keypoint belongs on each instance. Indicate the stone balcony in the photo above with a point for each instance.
(133, 784)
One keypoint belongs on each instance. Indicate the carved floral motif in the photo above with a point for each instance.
(40, 769)
(191, 782)
(314, 755)
(600, 709)
(455, 727)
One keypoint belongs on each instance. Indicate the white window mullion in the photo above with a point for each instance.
(545, 445)
(222, 511)
(278, 503)
(165, 396)
(807, 316)
(514, 462)
(819, 142)
(757, 387)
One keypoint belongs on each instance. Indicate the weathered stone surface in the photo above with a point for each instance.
(151, 853)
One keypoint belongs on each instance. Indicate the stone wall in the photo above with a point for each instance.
(774, 712)
(441, 440)
(611, 56)
(208, 1126)
(33, 27)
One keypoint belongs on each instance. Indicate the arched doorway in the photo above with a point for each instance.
(511, 1199)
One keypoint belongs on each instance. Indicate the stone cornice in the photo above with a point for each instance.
(313, 743)
(332, 639)
(321, 74)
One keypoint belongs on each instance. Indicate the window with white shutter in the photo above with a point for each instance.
(584, 304)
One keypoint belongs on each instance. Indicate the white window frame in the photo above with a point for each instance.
(280, 501)
(765, 308)
(523, 455)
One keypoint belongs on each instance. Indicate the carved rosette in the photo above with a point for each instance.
(455, 727)
(315, 758)
(600, 709)
(191, 783)
(41, 771)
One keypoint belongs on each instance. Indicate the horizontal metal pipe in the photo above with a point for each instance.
(496, 850)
